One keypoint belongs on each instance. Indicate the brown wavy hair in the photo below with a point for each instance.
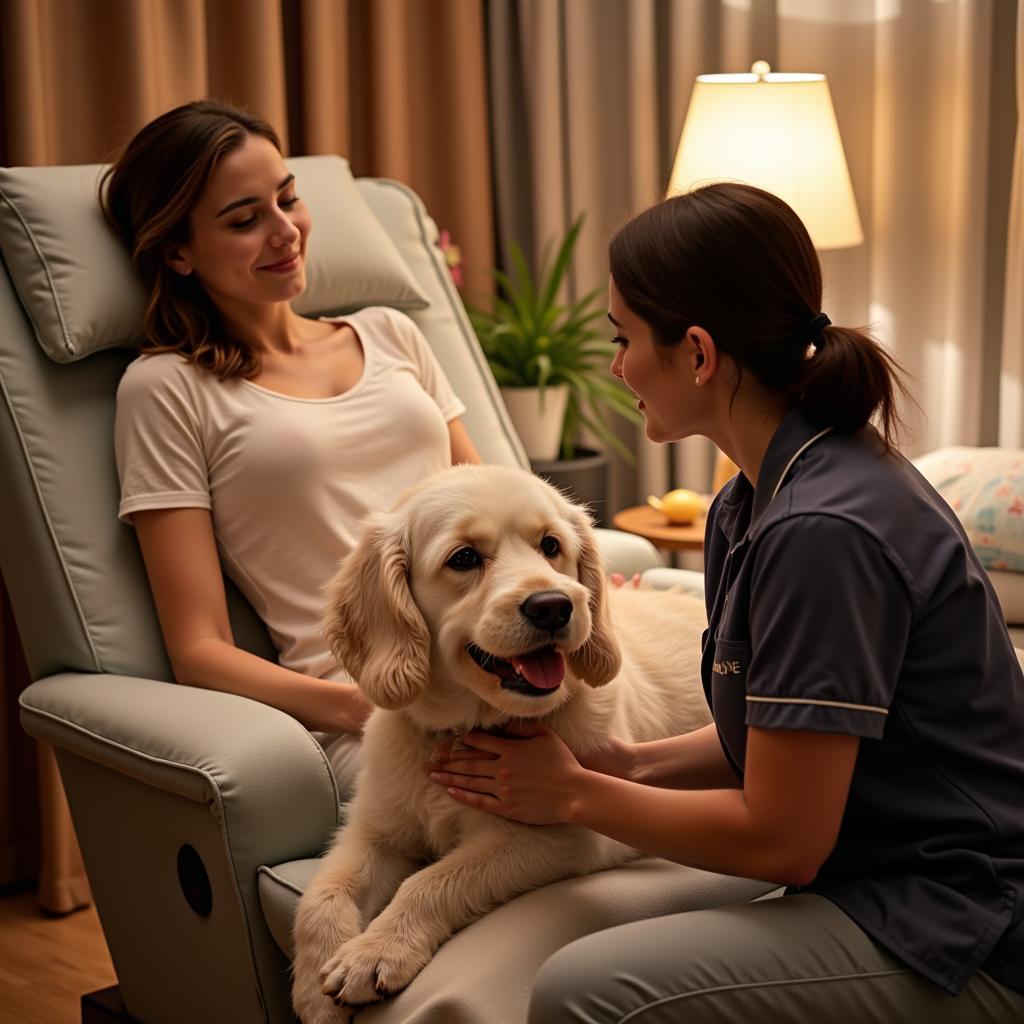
(147, 196)
(738, 261)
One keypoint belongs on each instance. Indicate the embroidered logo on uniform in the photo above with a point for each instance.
(727, 668)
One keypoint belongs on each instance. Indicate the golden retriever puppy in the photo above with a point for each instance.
(479, 600)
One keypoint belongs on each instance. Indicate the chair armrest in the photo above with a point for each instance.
(664, 578)
(251, 763)
(179, 795)
(626, 552)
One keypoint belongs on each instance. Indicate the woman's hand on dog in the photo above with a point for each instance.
(531, 776)
(615, 757)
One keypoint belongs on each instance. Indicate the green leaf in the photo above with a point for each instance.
(561, 265)
(543, 375)
(506, 378)
(525, 293)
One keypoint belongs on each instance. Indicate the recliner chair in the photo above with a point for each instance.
(201, 814)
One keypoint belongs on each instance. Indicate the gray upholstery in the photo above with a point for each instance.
(484, 973)
(151, 768)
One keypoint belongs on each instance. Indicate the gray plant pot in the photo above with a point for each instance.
(583, 478)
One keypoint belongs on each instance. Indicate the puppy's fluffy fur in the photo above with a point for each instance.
(406, 609)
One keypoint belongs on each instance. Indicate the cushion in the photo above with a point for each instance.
(484, 973)
(985, 487)
(52, 234)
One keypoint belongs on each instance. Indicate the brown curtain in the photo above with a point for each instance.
(397, 86)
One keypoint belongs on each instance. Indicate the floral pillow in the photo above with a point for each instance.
(985, 487)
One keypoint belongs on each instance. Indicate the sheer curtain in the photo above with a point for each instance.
(397, 86)
(588, 99)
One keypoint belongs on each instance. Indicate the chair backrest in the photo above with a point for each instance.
(76, 580)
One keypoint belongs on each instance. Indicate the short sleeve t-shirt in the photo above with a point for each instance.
(843, 596)
(287, 480)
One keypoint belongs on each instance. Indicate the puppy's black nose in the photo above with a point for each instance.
(549, 610)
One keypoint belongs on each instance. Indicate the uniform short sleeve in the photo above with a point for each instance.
(158, 440)
(431, 376)
(829, 624)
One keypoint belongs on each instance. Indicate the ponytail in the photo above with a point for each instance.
(849, 380)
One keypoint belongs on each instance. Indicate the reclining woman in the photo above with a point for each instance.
(249, 439)
(868, 743)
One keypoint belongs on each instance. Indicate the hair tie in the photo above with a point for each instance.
(812, 332)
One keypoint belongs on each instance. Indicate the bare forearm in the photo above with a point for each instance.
(712, 829)
(694, 760)
(319, 704)
(780, 827)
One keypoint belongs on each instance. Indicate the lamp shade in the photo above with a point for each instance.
(778, 132)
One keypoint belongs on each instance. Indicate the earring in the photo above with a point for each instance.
(696, 380)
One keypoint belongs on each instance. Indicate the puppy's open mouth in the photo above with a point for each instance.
(535, 674)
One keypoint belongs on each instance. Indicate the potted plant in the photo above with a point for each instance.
(551, 362)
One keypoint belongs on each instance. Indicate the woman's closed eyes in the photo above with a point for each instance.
(241, 225)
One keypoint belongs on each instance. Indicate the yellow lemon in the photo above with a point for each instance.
(679, 506)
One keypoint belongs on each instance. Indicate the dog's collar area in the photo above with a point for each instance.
(546, 668)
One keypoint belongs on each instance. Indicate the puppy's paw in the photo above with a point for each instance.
(311, 1006)
(324, 922)
(372, 967)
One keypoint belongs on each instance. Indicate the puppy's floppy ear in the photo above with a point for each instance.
(598, 661)
(373, 625)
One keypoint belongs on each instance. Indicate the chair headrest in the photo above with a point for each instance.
(77, 285)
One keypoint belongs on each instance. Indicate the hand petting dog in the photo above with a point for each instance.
(529, 777)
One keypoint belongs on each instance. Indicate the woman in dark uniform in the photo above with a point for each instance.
(868, 744)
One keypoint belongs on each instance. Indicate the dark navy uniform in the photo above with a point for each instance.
(843, 596)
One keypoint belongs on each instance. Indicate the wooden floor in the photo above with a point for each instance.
(47, 964)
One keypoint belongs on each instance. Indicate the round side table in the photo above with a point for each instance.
(648, 522)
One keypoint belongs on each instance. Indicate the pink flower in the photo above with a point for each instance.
(452, 257)
(1017, 508)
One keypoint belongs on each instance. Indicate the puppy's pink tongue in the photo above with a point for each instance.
(543, 669)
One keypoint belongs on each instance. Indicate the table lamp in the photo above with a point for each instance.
(778, 132)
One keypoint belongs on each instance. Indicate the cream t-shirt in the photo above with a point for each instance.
(287, 480)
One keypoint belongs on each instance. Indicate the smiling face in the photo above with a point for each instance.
(248, 231)
(499, 589)
(672, 405)
(498, 611)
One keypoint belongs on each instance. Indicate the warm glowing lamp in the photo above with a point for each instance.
(778, 132)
